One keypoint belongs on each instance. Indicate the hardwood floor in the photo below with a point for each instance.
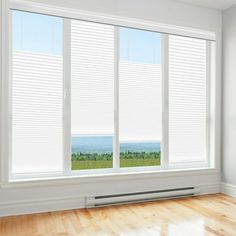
(194, 216)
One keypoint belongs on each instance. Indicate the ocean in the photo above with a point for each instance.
(103, 144)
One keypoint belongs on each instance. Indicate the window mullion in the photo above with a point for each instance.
(67, 94)
(165, 102)
(208, 96)
(116, 145)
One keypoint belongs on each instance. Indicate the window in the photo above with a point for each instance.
(37, 93)
(91, 97)
(140, 98)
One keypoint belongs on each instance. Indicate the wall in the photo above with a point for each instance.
(229, 97)
(162, 11)
(62, 194)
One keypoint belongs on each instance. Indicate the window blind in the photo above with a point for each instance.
(92, 78)
(187, 99)
(37, 112)
(140, 102)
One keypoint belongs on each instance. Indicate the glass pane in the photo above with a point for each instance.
(92, 95)
(187, 99)
(37, 93)
(140, 98)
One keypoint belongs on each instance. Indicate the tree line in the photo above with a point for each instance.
(80, 156)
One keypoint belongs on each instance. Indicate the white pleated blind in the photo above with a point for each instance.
(37, 112)
(140, 101)
(37, 93)
(92, 78)
(187, 99)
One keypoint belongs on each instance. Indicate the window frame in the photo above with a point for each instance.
(165, 165)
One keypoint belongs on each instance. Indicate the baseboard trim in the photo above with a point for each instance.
(60, 204)
(209, 188)
(40, 206)
(228, 189)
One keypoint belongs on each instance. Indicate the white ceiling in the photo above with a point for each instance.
(215, 4)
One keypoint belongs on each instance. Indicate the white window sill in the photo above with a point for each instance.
(106, 177)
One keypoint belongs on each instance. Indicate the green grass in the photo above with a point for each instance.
(83, 161)
(83, 165)
(139, 162)
(98, 164)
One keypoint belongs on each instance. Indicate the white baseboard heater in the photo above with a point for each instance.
(117, 199)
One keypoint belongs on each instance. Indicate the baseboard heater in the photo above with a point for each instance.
(126, 198)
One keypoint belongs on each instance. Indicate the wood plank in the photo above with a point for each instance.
(196, 216)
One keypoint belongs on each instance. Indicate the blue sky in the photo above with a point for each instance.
(140, 45)
(37, 33)
(41, 33)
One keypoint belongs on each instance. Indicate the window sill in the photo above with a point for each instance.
(106, 177)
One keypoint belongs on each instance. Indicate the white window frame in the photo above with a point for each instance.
(68, 14)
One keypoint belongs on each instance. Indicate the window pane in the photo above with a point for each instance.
(37, 93)
(140, 98)
(92, 95)
(187, 99)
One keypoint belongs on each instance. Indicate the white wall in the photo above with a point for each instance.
(13, 198)
(162, 11)
(229, 97)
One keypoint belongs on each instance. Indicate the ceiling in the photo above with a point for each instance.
(215, 4)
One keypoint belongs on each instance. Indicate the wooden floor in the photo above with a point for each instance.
(195, 216)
